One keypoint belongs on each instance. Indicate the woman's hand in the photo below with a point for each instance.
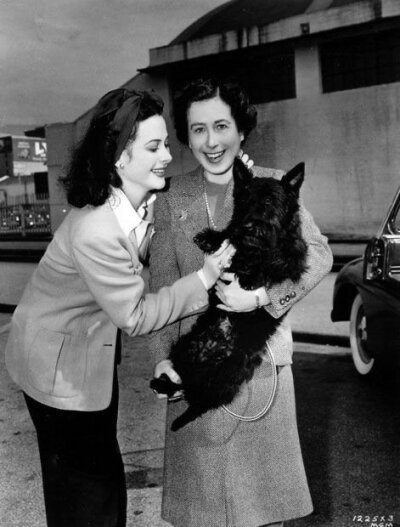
(234, 297)
(215, 263)
(165, 366)
(245, 159)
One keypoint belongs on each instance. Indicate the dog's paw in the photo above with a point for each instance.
(209, 240)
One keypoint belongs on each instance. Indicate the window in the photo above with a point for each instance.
(270, 77)
(394, 222)
(41, 185)
(266, 73)
(361, 61)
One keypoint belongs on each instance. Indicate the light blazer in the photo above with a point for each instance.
(61, 348)
(181, 213)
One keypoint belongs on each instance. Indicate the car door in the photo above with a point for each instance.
(382, 256)
(381, 296)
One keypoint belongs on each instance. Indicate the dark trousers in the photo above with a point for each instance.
(82, 468)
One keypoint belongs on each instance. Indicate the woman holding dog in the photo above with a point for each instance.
(221, 470)
(63, 347)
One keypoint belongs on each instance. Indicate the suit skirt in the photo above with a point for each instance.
(223, 472)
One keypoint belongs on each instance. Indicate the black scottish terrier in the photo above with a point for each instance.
(223, 348)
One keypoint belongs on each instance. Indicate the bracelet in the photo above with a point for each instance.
(258, 305)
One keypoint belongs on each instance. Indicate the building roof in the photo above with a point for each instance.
(236, 14)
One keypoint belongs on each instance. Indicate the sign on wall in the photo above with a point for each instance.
(29, 155)
(22, 156)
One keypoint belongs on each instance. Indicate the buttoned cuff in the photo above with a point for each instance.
(284, 300)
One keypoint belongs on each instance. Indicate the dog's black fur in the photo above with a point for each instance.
(223, 348)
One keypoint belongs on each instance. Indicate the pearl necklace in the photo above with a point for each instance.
(210, 218)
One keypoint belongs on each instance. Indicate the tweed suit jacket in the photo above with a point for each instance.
(180, 213)
(61, 348)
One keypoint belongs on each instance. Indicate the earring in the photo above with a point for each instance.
(119, 165)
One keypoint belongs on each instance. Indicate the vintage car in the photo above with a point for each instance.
(367, 293)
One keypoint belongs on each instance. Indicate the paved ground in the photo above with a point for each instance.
(141, 427)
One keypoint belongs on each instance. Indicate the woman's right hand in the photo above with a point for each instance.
(215, 263)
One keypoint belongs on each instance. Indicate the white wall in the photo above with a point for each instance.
(350, 142)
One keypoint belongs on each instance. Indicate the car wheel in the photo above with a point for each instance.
(358, 338)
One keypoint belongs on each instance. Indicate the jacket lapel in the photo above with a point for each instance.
(190, 205)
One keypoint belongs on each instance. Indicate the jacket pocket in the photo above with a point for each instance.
(57, 363)
(44, 354)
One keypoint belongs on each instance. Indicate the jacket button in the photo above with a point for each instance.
(293, 294)
(287, 298)
(282, 301)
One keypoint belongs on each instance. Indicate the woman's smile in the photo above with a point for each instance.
(159, 171)
(214, 157)
(213, 136)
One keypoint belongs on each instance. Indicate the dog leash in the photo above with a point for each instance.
(264, 410)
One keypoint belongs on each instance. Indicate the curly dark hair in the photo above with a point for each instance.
(92, 168)
(244, 113)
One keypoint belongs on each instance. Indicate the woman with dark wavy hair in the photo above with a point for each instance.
(64, 342)
(226, 468)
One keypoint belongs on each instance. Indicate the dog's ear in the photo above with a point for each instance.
(294, 178)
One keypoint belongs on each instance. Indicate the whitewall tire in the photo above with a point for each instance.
(358, 338)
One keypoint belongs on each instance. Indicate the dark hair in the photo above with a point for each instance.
(244, 113)
(92, 168)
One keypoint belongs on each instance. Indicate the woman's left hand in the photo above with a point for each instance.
(165, 367)
(234, 297)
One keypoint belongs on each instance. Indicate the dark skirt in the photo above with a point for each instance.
(224, 472)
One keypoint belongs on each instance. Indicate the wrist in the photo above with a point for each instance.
(262, 297)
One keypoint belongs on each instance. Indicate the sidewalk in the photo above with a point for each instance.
(312, 315)
(141, 426)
